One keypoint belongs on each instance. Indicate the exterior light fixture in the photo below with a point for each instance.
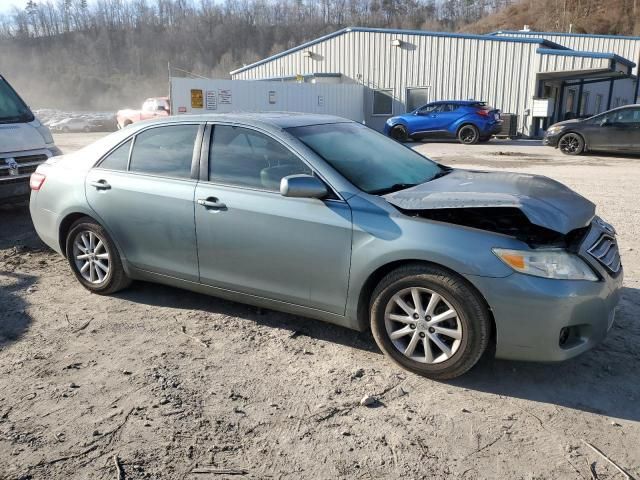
(307, 54)
(396, 42)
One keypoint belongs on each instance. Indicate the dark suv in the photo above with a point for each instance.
(617, 130)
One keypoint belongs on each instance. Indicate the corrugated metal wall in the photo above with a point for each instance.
(236, 96)
(627, 47)
(455, 68)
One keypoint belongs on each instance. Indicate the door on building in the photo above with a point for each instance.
(570, 107)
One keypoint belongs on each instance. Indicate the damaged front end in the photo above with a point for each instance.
(503, 220)
(535, 209)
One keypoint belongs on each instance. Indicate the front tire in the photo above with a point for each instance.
(429, 321)
(468, 135)
(571, 144)
(399, 133)
(94, 258)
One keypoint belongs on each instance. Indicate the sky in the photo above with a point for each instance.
(5, 5)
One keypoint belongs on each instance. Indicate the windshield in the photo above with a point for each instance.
(12, 108)
(372, 162)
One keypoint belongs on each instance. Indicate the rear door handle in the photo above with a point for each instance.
(212, 203)
(100, 185)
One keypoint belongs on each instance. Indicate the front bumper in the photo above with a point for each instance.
(530, 312)
(551, 140)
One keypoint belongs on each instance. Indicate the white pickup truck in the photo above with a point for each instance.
(24, 144)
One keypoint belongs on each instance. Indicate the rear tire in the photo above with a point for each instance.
(571, 144)
(442, 348)
(399, 133)
(468, 135)
(94, 258)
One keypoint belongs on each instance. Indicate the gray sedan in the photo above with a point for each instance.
(325, 218)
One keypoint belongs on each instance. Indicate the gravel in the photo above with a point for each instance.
(186, 409)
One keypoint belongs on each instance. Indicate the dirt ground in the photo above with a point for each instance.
(159, 383)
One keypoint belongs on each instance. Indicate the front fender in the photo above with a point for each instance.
(383, 236)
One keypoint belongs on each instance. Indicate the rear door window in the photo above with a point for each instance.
(164, 151)
(118, 158)
(243, 157)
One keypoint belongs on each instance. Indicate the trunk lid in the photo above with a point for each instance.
(543, 201)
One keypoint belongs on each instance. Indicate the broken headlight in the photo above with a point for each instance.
(556, 264)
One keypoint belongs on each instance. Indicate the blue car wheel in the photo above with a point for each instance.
(468, 134)
(399, 133)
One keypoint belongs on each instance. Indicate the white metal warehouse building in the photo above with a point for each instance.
(403, 69)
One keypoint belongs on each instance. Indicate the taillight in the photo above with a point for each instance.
(483, 113)
(36, 181)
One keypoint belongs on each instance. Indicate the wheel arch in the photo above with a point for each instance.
(466, 123)
(374, 278)
(581, 135)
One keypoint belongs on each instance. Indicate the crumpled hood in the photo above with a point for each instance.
(545, 202)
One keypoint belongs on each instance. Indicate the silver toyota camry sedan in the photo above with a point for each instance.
(325, 218)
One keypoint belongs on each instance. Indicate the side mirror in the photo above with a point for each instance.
(302, 186)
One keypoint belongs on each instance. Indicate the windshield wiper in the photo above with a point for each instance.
(393, 188)
(442, 173)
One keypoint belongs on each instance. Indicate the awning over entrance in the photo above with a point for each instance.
(571, 64)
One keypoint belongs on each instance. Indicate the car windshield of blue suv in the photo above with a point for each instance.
(369, 160)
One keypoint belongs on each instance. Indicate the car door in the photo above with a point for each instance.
(439, 118)
(626, 130)
(423, 120)
(142, 192)
(615, 130)
(255, 241)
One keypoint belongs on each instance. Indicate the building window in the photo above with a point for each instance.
(584, 106)
(598, 105)
(417, 97)
(383, 102)
(571, 100)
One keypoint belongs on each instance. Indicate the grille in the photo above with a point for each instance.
(27, 164)
(605, 251)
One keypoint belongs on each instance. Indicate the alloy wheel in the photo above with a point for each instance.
(91, 257)
(422, 325)
(570, 143)
(468, 135)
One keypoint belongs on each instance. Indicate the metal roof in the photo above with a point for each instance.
(562, 34)
(486, 38)
(576, 53)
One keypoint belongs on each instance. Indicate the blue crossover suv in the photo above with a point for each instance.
(469, 121)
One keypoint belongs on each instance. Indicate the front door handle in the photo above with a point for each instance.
(100, 185)
(212, 203)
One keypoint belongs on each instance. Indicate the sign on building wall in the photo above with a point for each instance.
(212, 100)
(224, 96)
(272, 97)
(321, 100)
(196, 98)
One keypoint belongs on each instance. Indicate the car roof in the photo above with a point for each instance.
(458, 102)
(273, 119)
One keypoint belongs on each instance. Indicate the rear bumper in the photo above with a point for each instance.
(530, 313)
